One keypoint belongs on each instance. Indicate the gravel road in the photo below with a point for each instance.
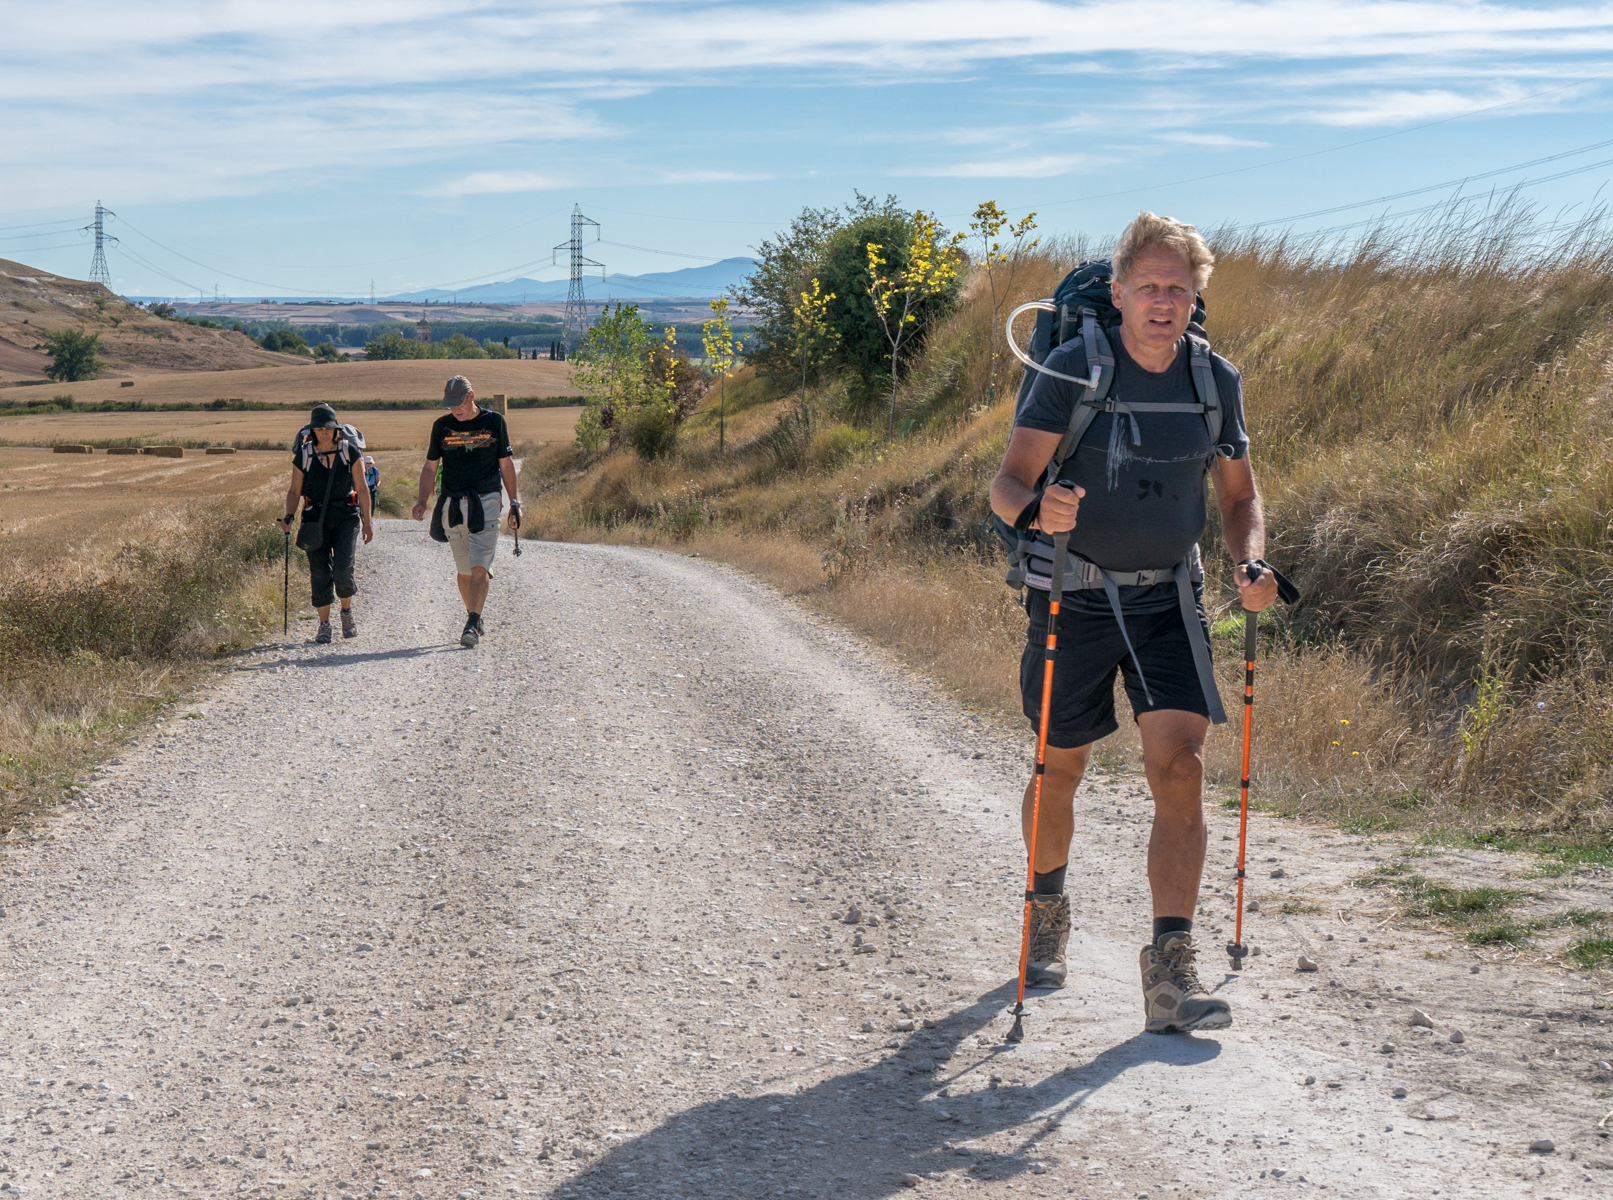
(673, 890)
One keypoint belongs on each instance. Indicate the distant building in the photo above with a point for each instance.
(422, 330)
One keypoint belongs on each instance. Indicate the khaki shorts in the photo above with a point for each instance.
(472, 550)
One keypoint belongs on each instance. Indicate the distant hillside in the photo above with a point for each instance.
(34, 303)
(699, 282)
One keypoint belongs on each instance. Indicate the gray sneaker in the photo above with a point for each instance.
(1174, 1001)
(472, 634)
(349, 624)
(322, 638)
(1050, 932)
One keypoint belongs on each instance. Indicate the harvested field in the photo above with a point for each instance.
(384, 429)
(304, 382)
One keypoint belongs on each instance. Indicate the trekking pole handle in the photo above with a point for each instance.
(1251, 620)
(1008, 329)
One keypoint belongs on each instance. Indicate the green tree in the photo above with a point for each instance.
(73, 355)
(394, 346)
(1001, 263)
(861, 347)
(784, 264)
(902, 295)
(285, 341)
(611, 368)
(722, 348)
(460, 346)
(326, 351)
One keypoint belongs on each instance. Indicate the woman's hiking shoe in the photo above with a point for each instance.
(1050, 931)
(472, 634)
(322, 638)
(1174, 1001)
(349, 624)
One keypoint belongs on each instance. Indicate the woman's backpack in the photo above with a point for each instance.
(348, 440)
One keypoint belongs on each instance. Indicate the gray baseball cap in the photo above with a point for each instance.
(455, 391)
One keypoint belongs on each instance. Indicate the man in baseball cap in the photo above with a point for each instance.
(469, 457)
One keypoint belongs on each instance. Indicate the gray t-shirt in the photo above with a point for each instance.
(1145, 504)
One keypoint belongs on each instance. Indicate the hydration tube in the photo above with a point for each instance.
(1008, 329)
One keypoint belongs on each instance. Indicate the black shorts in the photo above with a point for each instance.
(1090, 649)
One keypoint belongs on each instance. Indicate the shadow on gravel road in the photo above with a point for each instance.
(858, 1134)
(344, 660)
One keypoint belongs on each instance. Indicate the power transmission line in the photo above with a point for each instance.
(1466, 179)
(576, 301)
(98, 270)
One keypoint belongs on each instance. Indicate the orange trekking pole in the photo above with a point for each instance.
(1061, 542)
(1288, 594)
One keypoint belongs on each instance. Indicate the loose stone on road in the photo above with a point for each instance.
(671, 889)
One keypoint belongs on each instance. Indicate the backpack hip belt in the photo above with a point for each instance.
(1082, 575)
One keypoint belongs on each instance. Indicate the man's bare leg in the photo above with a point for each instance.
(1173, 758)
(1056, 823)
(475, 591)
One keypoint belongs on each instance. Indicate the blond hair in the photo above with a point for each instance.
(1151, 231)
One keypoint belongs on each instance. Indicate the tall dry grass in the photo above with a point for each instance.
(1429, 411)
(90, 644)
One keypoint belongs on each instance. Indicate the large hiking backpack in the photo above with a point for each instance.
(348, 440)
(1082, 307)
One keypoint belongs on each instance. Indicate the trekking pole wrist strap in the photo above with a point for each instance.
(1027, 515)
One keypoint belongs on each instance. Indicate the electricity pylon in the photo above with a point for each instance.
(98, 269)
(576, 302)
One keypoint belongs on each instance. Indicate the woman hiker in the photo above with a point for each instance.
(327, 475)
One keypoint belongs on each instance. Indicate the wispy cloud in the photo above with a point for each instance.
(202, 99)
(1407, 106)
(493, 183)
(1183, 138)
(1030, 166)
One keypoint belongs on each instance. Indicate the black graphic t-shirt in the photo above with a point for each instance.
(1145, 502)
(469, 451)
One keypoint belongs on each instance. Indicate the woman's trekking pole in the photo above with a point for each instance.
(1061, 542)
(285, 592)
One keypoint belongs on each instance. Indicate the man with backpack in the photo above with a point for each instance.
(1113, 439)
(471, 447)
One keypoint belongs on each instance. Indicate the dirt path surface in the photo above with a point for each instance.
(572, 915)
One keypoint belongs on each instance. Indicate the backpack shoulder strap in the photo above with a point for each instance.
(1203, 369)
(1095, 344)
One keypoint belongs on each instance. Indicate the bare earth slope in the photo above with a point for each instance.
(34, 303)
(568, 915)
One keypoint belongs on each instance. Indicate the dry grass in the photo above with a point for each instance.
(97, 635)
(1429, 415)
(384, 429)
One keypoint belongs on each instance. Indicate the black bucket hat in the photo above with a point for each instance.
(323, 417)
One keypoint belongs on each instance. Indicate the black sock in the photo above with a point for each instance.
(1050, 883)
(470, 616)
(1164, 925)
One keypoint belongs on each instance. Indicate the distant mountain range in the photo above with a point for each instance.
(699, 282)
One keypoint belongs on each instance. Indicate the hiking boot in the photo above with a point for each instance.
(472, 634)
(1050, 931)
(349, 624)
(322, 638)
(1174, 1001)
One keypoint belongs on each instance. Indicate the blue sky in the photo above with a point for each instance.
(309, 147)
